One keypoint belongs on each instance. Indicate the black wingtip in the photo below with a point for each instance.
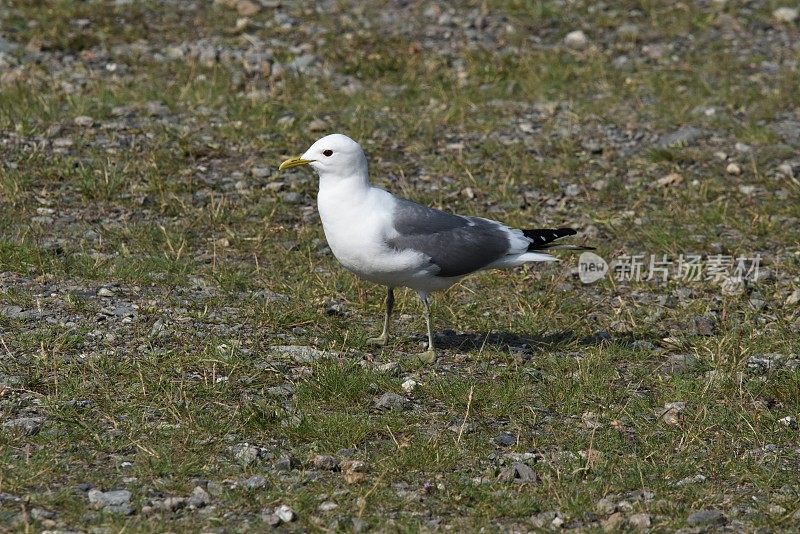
(540, 237)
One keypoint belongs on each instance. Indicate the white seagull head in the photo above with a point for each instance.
(334, 156)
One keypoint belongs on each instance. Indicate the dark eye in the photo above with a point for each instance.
(327, 153)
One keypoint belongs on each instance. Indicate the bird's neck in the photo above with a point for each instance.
(339, 199)
(353, 186)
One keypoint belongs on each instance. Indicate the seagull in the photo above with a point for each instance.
(395, 242)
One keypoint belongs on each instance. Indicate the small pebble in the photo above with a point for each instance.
(505, 439)
(409, 385)
(576, 39)
(105, 292)
(785, 14)
(733, 169)
(776, 509)
(391, 401)
(247, 8)
(317, 126)
(25, 425)
(84, 121)
(260, 172)
(706, 517)
(325, 462)
(789, 421)
(285, 513)
(327, 506)
(639, 521)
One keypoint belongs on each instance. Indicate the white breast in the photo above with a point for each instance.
(356, 224)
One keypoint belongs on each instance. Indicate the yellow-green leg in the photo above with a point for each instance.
(384, 337)
(429, 356)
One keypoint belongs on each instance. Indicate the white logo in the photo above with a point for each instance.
(591, 267)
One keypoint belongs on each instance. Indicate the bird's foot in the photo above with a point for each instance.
(424, 358)
(379, 341)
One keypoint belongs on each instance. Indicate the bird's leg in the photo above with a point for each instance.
(429, 356)
(384, 337)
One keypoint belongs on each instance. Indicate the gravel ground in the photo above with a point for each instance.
(180, 351)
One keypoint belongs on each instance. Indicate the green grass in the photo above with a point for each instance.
(222, 269)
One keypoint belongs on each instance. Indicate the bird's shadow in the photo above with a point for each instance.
(522, 343)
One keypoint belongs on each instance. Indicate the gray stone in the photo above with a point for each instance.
(286, 463)
(260, 172)
(390, 368)
(789, 421)
(39, 514)
(547, 519)
(270, 518)
(84, 121)
(175, 52)
(247, 8)
(11, 312)
(157, 109)
(173, 504)
(326, 462)
(794, 298)
(124, 310)
(391, 401)
(7, 46)
(199, 498)
(505, 439)
(109, 498)
(522, 473)
(116, 501)
(706, 518)
(704, 325)
(685, 135)
(576, 39)
(286, 514)
(27, 425)
(291, 197)
(639, 521)
(605, 506)
(246, 454)
(764, 363)
(785, 14)
(105, 292)
(788, 129)
(327, 506)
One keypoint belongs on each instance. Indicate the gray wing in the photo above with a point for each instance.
(456, 245)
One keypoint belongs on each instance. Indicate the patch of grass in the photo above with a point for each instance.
(153, 384)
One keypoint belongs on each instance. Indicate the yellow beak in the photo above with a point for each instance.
(294, 162)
